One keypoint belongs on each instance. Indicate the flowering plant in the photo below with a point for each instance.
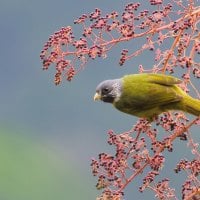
(171, 30)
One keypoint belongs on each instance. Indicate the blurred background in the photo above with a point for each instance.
(48, 133)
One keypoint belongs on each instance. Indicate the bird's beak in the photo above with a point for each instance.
(97, 96)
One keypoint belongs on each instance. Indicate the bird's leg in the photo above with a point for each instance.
(152, 118)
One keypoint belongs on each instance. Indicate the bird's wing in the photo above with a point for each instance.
(163, 89)
(150, 90)
(162, 79)
(153, 78)
(155, 95)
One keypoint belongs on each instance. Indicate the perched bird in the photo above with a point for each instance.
(146, 95)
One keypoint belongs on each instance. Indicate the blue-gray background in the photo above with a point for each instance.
(48, 133)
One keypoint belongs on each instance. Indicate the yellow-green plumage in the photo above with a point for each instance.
(148, 95)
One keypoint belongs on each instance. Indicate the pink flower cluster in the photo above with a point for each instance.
(173, 23)
(133, 155)
(191, 187)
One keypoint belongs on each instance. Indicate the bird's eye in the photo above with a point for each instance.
(105, 90)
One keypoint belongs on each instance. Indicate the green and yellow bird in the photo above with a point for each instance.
(146, 95)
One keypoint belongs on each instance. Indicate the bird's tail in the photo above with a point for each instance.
(192, 105)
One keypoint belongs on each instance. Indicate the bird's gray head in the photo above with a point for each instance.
(109, 91)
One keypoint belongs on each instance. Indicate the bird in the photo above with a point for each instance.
(147, 95)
